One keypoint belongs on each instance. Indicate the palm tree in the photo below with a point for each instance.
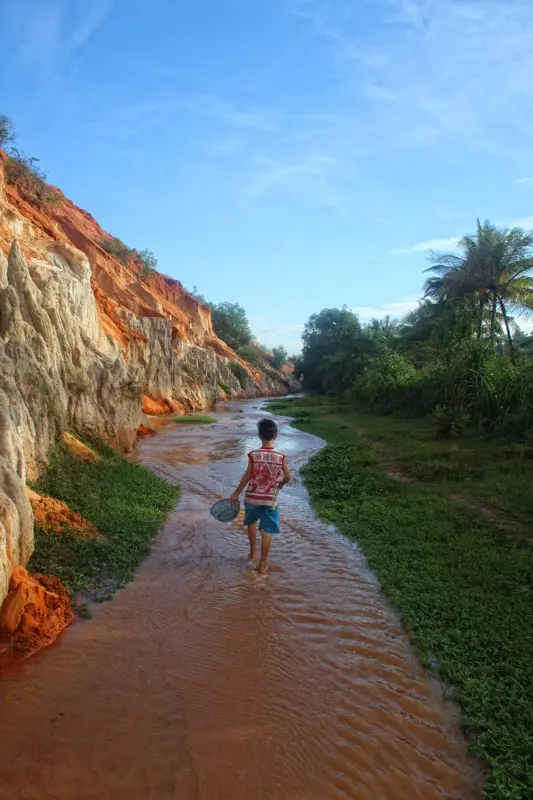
(492, 272)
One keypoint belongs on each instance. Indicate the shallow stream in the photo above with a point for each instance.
(203, 680)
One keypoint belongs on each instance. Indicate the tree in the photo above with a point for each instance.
(231, 324)
(334, 348)
(7, 131)
(492, 272)
(147, 262)
(279, 357)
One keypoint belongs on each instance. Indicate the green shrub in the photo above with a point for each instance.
(231, 324)
(117, 249)
(225, 388)
(240, 372)
(449, 421)
(195, 419)
(147, 262)
(250, 354)
(7, 131)
(279, 357)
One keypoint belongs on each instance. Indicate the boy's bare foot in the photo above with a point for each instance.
(262, 567)
(251, 555)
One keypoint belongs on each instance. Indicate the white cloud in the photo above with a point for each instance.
(253, 118)
(396, 310)
(47, 32)
(521, 181)
(417, 98)
(431, 244)
(272, 336)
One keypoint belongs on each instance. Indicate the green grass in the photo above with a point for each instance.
(195, 419)
(125, 501)
(465, 592)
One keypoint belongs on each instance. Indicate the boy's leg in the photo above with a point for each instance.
(265, 550)
(252, 535)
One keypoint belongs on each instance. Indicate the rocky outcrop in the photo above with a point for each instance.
(90, 345)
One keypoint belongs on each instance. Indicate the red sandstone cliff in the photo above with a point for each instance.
(87, 344)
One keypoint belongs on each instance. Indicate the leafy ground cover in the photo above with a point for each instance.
(464, 590)
(195, 419)
(125, 501)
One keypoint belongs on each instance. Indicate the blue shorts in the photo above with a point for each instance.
(267, 517)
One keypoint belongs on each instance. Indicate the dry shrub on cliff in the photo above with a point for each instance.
(23, 171)
(117, 249)
(144, 259)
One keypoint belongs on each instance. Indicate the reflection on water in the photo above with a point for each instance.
(205, 680)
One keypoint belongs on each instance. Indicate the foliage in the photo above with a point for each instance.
(7, 131)
(449, 421)
(117, 249)
(30, 180)
(250, 354)
(334, 346)
(465, 592)
(147, 262)
(125, 501)
(195, 419)
(492, 273)
(279, 357)
(240, 372)
(459, 351)
(225, 388)
(231, 324)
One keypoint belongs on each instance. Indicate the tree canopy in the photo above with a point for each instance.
(231, 324)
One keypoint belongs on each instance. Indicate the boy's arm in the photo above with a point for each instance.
(244, 482)
(286, 476)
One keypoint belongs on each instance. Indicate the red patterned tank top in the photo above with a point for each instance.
(267, 471)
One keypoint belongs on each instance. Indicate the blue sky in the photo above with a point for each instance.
(285, 154)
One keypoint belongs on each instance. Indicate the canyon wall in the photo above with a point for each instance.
(89, 345)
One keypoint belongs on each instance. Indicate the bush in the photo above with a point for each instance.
(240, 372)
(279, 357)
(225, 388)
(250, 354)
(449, 421)
(7, 131)
(23, 171)
(147, 262)
(117, 249)
(231, 324)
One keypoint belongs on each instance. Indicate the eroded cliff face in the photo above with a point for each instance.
(85, 343)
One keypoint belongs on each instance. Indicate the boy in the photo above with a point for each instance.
(267, 473)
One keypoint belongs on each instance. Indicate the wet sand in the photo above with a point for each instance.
(204, 680)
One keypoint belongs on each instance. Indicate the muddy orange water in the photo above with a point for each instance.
(203, 680)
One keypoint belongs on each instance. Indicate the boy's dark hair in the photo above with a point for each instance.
(267, 429)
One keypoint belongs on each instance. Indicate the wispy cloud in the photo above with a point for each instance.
(251, 118)
(420, 97)
(521, 181)
(272, 336)
(395, 309)
(47, 32)
(431, 244)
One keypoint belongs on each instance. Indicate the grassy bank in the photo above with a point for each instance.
(125, 501)
(195, 419)
(465, 591)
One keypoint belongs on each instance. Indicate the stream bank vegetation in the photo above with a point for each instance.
(195, 419)
(429, 467)
(463, 587)
(123, 500)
